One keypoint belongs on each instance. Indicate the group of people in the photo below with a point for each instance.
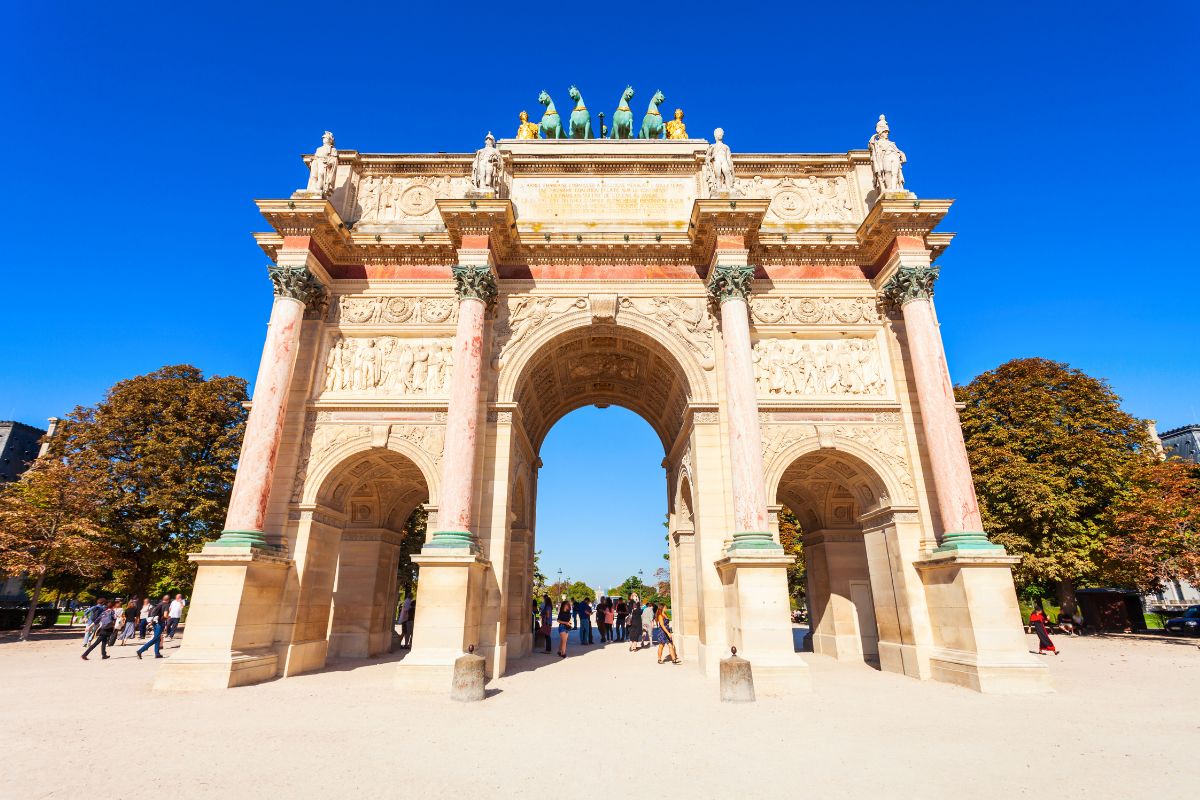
(114, 622)
(615, 619)
(1070, 622)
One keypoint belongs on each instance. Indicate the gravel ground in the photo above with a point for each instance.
(1124, 723)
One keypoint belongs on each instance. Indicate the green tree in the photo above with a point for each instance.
(581, 591)
(410, 545)
(1157, 527)
(539, 577)
(49, 527)
(1050, 450)
(166, 445)
(791, 537)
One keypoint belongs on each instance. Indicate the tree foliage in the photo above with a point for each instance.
(791, 537)
(49, 526)
(166, 445)
(1050, 449)
(410, 545)
(1157, 527)
(581, 591)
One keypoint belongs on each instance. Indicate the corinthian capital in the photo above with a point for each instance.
(475, 281)
(910, 283)
(730, 282)
(300, 284)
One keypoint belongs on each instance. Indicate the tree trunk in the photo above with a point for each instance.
(37, 592)
(1066, 596)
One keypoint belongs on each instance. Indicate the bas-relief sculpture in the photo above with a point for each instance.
(384, 199)
(814, 310)
(886, 440)
(686, 319)
(390, 366)
(323, 168)
(886, 160)
(362, 310)
(795, 367)
(803, 199)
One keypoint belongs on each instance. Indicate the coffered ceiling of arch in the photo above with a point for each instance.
(603, 365)
(375, 488)
(828, 490)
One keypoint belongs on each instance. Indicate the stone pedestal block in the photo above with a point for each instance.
(737, 680)
(760, 624)
(468, 683)
(448, 611)
(978, 639)
(231, 624)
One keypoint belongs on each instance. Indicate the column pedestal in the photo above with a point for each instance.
(981, 643)
(448, 611)
(231, 624)
(760, 620)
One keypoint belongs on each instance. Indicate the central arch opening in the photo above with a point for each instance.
(601, 408)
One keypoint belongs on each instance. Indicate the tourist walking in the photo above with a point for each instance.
(545, 614)
(1038, 620)
(621, 615)
(662, 633)
(131, 616)
(174, 614)
(407, 609)
(585, 622)
(157, 617)
(609, 616)
(143, 618)
(93, 617)
(105, 623)
(635, 624)
(647, 623)
(118, 609)
(575, 614)
(564, 627)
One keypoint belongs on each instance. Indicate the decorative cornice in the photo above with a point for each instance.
(910, 283)
(730, 282)
(475, 282)
(300, 284)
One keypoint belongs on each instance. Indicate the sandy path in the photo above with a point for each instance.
(1124, 723)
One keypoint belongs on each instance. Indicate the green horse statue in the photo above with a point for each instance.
(652, 124)
(581, 120)
(622, 127)
(551, 124)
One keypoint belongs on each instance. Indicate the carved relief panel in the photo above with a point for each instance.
(819, 368)
(809, 199)
(353, 309)
(388, 199)
(388, 366)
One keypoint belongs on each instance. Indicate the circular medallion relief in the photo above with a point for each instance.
(417, 200)
(791, 204)
(438, 310)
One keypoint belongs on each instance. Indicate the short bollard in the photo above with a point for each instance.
(468, 677)
(737, 680)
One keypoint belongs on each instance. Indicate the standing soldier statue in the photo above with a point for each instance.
(886, 159)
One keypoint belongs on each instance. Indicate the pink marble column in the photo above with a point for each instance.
(912, 288)
(476, 286)
(730, 285)
(295, 290)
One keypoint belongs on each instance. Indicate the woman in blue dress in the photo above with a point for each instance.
(662, 633)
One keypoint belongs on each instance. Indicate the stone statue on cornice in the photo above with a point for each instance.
(718, 166)
(485, 170)
(323, 168)
(886, 160)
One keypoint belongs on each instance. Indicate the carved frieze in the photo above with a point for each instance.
(384, 199)
(885, 440)
(319, 441)
(807, 367)
(809, 199)
(814, 310)
(429, 438)
(521, 315)
(687, 319)
(389, 366)
(366, 310)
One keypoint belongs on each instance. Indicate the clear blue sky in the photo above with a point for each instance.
(138, 138)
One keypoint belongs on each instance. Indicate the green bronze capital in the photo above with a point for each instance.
(910, 283)
(730, 282)
(477, 282)
(300, 284)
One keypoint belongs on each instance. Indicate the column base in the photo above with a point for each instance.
(755, 540)
(452, 540)
(231, 624)
(968, 541)
(255, 539)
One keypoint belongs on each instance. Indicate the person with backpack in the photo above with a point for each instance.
(105, 623)
(158, 618)
(92, 617)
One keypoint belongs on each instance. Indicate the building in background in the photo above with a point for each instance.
(18, 448)
(1182, 442)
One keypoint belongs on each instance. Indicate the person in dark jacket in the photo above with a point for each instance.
(105, 624)
(158, 618)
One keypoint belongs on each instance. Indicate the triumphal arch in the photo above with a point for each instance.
(769, 314)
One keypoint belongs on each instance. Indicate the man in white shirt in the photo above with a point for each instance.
(175, 612)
